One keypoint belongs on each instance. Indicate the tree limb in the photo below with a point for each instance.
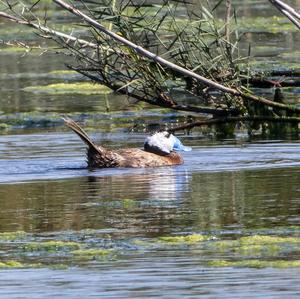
(145, 53)
(47, 30)
(233, 119)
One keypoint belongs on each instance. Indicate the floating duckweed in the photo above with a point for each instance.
(51, 246)
(3, 126)
(70, 88)
(11, 264)
(190, 239)
(225, 245)
(255, 264)
(258, 250)
(92, 252)
(12, 236)
(266, 240)
(259, 245)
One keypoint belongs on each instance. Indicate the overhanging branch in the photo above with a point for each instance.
(158, 59)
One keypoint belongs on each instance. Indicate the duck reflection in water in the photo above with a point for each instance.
(146, 185)
(160, 149)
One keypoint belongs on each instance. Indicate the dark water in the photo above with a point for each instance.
(224, 192)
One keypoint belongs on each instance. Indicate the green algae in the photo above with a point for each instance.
(128, 203)
(92, 254)
(254, 241)
(258, 250)
(272, 24)
(259, 264)
(12, 236)
(51, 246)
(268, 240)
(70, 88)
(189, 239)
(4, 127)
(259, 246)
(12, 264)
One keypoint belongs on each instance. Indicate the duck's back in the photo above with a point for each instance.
(131, 157)
(134, 157)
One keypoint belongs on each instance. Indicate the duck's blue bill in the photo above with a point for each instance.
(178, 146)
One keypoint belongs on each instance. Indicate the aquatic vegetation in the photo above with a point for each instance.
(255, 264)
(70, 88)
(11, 264)
(258, 250)
(274, 24)
(51, 246)
(268, 240)
(189, 239)
(128, 203)
(3, 126)
(12, 236)
(92, 254)
(256, 246)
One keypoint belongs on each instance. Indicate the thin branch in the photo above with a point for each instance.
(234, 119)
(288, 11)
(47, 30)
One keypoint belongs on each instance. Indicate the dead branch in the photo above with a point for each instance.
(47, 30)
(145, 53)
(235, 119)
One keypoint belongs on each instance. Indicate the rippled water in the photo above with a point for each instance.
(225, 191)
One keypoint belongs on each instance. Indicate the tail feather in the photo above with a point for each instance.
(82, 134)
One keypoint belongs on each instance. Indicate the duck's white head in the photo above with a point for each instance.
(163, 143)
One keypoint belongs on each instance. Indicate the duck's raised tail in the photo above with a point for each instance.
(70, 123)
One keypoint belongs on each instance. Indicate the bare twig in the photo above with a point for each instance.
(47, 30)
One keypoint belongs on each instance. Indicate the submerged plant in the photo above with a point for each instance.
(189, 239)
(12, 236)
(255, 264)
(51, 246)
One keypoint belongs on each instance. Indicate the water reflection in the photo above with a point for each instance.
(146, 203)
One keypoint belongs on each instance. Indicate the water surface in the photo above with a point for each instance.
(83, 233)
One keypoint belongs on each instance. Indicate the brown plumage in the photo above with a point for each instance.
(100, 157)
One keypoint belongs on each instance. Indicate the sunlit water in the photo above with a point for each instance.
(231, 190)
(225, 190)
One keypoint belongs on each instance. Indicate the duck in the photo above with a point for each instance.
(160, 149)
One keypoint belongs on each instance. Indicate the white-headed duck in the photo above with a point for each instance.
(159, 150)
